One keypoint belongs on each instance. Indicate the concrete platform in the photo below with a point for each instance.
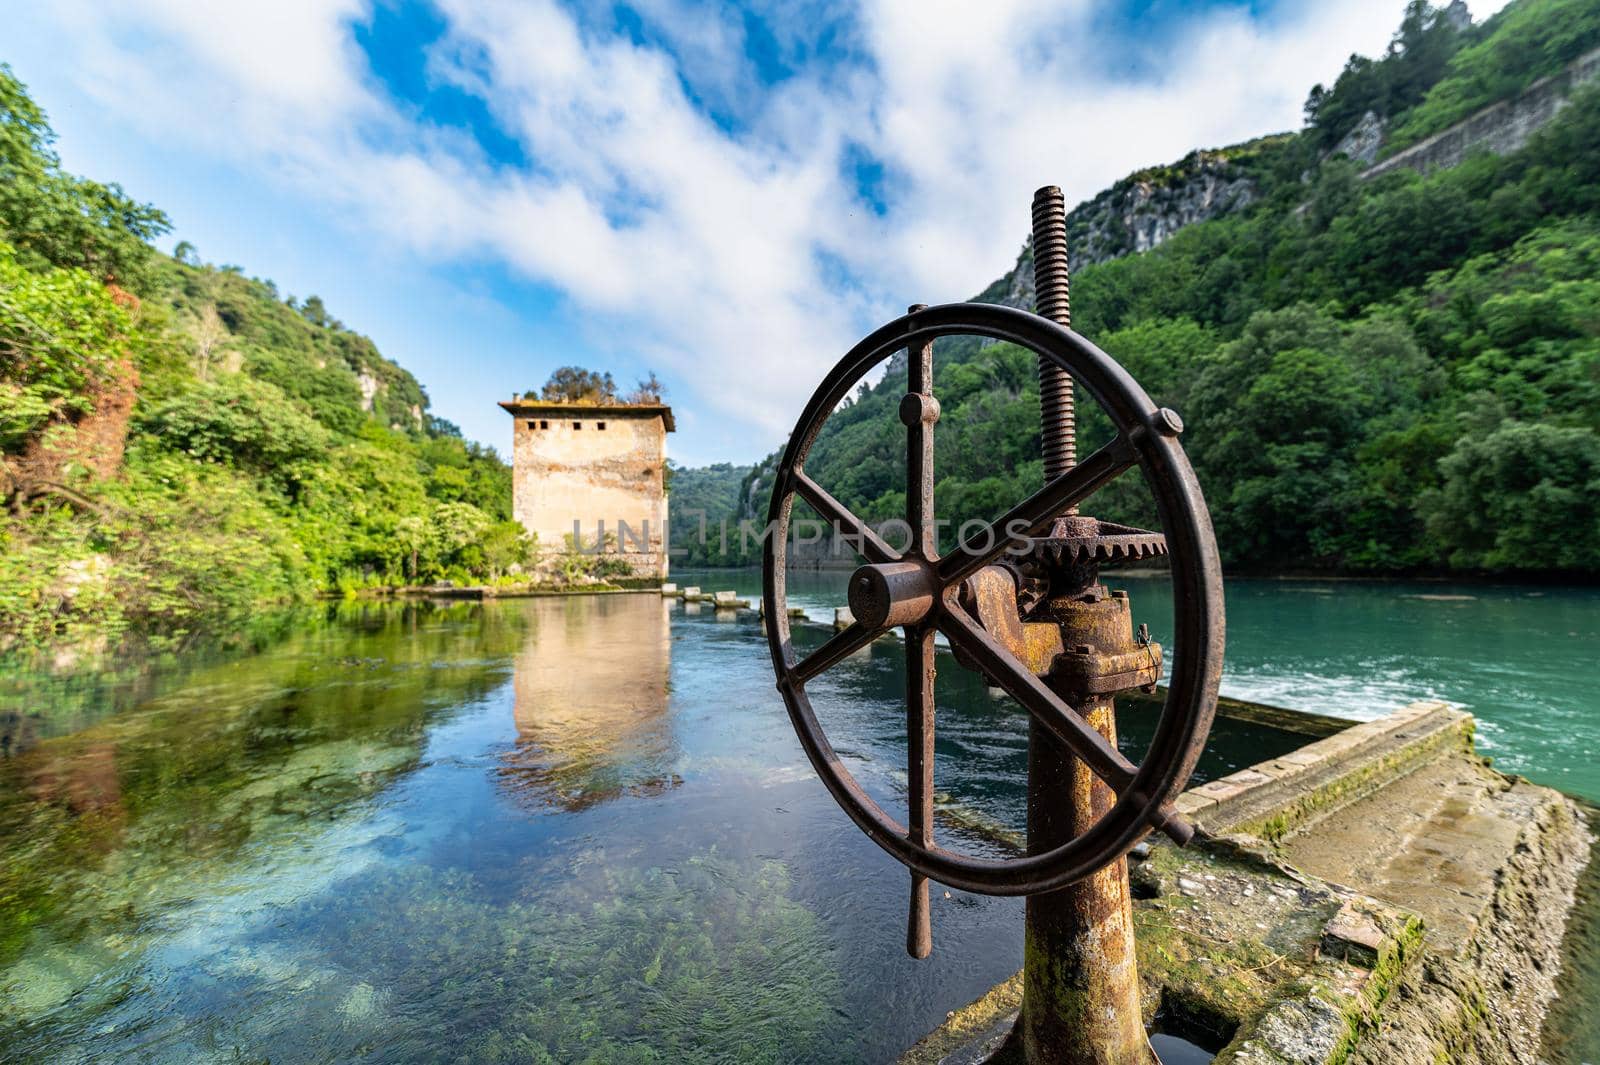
(1380, 895)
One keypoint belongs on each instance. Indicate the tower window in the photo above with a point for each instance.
(531, 425)
(577, 425)
(543, 424)
(599, 425)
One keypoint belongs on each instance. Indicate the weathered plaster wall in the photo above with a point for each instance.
(574, 470)
(1500, 128)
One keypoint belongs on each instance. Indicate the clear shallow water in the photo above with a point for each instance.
(552, 830)
(542, 830)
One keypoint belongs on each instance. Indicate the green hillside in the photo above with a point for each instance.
(1518, 45)
(179, 443)
(1400, 375)
(700, 499)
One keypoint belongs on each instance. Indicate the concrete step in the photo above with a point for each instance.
(1275, 798)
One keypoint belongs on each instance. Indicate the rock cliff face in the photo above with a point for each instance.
(1146, 208)
(1499, 128)
(1139, 212)
(1363, 142)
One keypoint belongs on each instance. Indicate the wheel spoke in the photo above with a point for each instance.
(839, 646)
(1048, 708)
(1062, 721)
(868, 544)
(1033, 515)
(919, 774)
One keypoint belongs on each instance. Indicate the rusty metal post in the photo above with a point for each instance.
(919, 411)
(1081, 994)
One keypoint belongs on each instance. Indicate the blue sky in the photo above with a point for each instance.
(725, 195)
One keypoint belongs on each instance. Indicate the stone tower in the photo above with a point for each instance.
(588, 464)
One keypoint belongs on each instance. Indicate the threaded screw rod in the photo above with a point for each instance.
(1052, 300)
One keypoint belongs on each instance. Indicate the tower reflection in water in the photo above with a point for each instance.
(591, 688)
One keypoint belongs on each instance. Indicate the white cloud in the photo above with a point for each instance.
(718, 253)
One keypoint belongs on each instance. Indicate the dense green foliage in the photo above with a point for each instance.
(701, 501)
(1417, 58)
(62, 337)
(1395, 375)
(576, 384)
(53, 218)
(177, 442)
(1520, 44)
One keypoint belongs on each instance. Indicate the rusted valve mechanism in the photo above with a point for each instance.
(1022, 603)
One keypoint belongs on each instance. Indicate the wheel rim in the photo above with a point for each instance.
(1146, 437)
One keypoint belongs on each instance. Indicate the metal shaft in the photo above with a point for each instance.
(1081, 993)
(919, 411)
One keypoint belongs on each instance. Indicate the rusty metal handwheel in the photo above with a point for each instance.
(917, 590)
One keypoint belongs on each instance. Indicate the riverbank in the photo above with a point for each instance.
(506, 590)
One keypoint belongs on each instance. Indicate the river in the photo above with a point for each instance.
(581, 829)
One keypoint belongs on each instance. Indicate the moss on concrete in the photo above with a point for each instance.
(1224, 934)
(1285, 967)
(970, 1023)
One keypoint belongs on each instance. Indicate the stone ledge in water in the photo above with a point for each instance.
(1272, 798)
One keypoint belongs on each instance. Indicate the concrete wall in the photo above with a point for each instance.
(591, 466)
(1500, 128)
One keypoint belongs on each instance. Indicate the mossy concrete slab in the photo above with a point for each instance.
(1231, 942)
(1380, 895)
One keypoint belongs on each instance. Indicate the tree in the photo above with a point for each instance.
(1525, 496)
(209, 334)
(574, 384)
(1417, 56)
(411, 536)
(55, 218)
(648, 391)
(244, 423)
(62, 335)
(454, 526)
(1279, 416)
(505, 544)
(314, 312)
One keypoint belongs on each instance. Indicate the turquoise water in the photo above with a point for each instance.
(1517, 657)
(582, 830)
